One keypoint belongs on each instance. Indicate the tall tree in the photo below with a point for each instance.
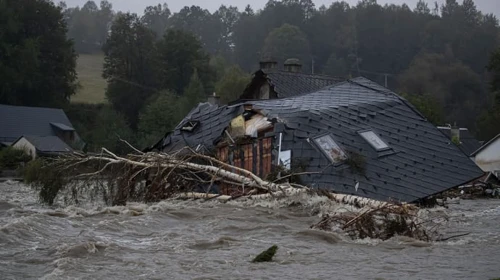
(130, 66)
(457, 89)
(37, 61)
(156, 18)
(180, 55)
(200, 22)
(285, 42)
(89, 25)
(227, 16)
(488, 122)
(232, 84)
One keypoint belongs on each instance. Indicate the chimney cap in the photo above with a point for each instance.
(293, 62)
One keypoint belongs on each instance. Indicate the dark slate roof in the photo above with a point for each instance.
(48, 144)
(62, 127)
(287, 84)
(485, 145)
(421, 160)
(468, 144)
(16, 121)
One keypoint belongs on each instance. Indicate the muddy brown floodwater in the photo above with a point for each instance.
(209, 240)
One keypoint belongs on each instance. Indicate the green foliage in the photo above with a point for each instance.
(110, 127)
(286, 42)
(455, 87)
(455, 140)
(156, 18)
(207, 27)
(11, 158)
(158, 117)
(267, 255)
(99, 126)
(193, 95)
(428, 52)
(37, 61)
(88, 25)
(181, 55)
(488, 121)
(41, 176)
(232, 84)
(428, 106)
(494, 68)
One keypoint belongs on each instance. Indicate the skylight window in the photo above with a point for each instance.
(374, 140)
(190, 126)
(330, 148)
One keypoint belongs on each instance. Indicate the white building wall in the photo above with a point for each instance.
(25, 145)
(489, 158)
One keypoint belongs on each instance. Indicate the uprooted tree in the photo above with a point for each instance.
(187, 174)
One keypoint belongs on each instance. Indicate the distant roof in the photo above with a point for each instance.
(288, 84)
(468, 144)
(421, 161)
(16, 121)
(48, 144)
(486, 145)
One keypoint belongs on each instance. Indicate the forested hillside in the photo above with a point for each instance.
(159, 64)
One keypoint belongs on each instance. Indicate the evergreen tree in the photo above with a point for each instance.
(37, 61)
(130, 66)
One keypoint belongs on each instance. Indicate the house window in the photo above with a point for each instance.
(330, 148)
(374, 140)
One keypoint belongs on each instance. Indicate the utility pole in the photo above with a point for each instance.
(312, 67)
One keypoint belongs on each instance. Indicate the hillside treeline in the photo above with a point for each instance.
(435, 55)
(159, 64)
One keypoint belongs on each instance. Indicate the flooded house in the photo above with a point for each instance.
(346, 136)
(38, 131)
(487, 157)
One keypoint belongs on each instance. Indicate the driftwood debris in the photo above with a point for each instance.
(155, 176)
(379, 223)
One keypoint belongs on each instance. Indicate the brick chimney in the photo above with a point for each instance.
(293, 65)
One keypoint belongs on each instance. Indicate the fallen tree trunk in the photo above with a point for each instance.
(152, 177)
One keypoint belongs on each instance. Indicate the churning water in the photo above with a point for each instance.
(210, 240)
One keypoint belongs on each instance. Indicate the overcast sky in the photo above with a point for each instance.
(137, 6)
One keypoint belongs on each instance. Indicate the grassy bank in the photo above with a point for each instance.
(93, 86)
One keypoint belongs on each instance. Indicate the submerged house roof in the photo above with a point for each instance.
(287, 84)
(405, 157)
(16, 121)
(468, 143)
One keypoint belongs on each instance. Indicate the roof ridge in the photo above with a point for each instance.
(486, 144)
(31, 107)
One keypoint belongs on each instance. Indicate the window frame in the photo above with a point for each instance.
(386, 148)
(193, 124)
(344, 157)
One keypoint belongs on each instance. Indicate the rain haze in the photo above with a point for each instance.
(486, 6)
